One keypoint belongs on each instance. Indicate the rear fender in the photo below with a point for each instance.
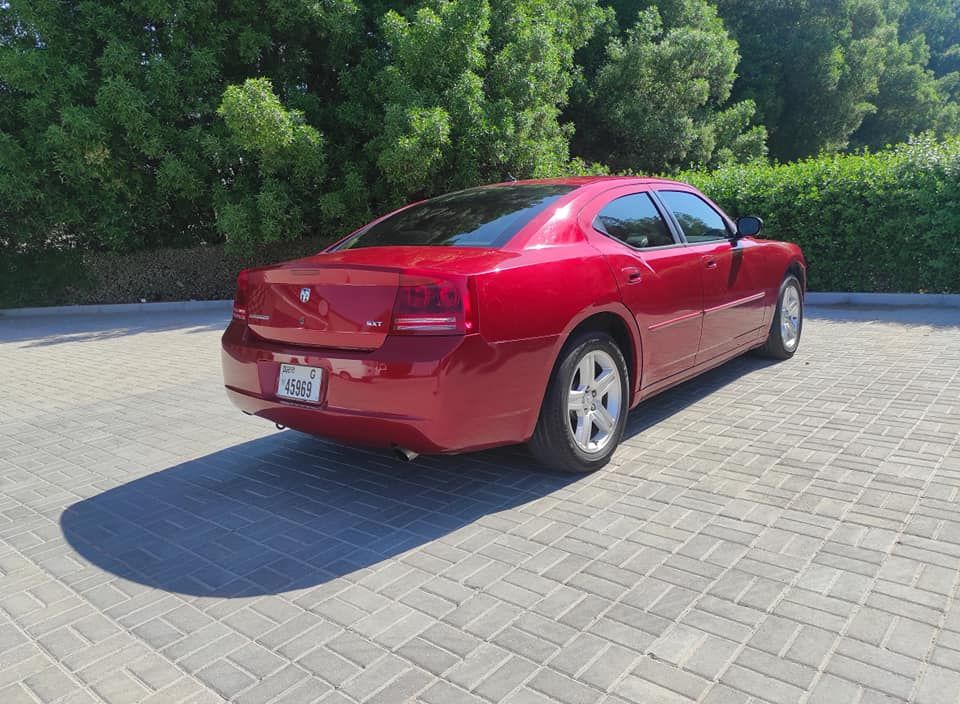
(633, 360)
(545, 300)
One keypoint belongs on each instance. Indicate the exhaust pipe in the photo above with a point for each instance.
(280, 427)
(404, 455)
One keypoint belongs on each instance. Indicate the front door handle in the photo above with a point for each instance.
(710, 262)
(632, 274)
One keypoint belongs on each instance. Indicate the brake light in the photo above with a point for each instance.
(428, 305)
(240, 299)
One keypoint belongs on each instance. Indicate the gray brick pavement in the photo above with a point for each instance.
(767, 533)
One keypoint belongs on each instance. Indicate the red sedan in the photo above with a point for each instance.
(537, 311)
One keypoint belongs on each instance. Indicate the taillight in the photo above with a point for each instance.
(240, 299)
(428, 305)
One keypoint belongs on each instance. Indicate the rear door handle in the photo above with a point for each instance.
(632, 274)
(710, 262)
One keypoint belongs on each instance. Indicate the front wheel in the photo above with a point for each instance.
(787, 324)
(585, 408)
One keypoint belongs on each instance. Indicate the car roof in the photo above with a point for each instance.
(591, 180)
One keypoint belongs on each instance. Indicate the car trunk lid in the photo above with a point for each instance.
(306, 303)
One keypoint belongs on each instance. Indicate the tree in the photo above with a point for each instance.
(268, 204)
(108, 129)
(658, 100)
(910, 99)
(110, 135)
(938, 22)
(812, 70)
(819, 70)
(139, 124)
(472, 92)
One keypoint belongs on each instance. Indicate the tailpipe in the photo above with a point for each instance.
(404, 455)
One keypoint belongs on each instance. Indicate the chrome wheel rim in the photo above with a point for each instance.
(594, 401)
(791, 312)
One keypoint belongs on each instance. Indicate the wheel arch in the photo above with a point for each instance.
(617, 321)
(796, 268)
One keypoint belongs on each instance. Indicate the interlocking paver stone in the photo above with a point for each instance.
(766, 533)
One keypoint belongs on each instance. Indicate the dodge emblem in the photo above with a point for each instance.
(304, 294)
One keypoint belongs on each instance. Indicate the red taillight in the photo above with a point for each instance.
(240, 299)
(427, 305)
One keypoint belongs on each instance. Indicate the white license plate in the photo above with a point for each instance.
(300, 383)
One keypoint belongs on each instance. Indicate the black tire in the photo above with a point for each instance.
(775, 346)
(553, 442)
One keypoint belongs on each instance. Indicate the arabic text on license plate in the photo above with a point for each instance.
(300, 383)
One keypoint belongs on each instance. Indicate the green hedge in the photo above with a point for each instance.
(887, 222)
(75, 277)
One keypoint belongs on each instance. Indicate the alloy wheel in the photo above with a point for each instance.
(594, 401)
(790, 318)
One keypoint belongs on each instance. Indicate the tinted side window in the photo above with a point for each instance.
(699, 222)
(634, 220)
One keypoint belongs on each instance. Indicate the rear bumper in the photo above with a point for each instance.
(429, 394)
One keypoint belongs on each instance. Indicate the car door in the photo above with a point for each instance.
(733, 294)
(658, 277)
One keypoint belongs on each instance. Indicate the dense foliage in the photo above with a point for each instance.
(656, 95)
(79, 276)
(888, 221)
(825, 75)
(129, 125)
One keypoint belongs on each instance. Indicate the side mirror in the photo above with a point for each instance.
(749, 226)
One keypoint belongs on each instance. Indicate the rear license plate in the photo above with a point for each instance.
(299, 383)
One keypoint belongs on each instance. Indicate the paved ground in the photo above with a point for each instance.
(781, 533)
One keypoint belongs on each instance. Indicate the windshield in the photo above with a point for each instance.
(478, 217)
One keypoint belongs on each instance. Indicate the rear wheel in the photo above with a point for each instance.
(585, 408)
(787, 324)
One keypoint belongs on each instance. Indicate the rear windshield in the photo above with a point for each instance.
(479, 217)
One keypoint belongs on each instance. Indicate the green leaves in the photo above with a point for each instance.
(281, 165)
(414, 143)
(108, 113)
(660, 97)
(429, 91)
(472, 92)
(888, 221)
(262, 126)
(152, 123)
(828, 76)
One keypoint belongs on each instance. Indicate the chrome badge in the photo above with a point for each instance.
(304, 294)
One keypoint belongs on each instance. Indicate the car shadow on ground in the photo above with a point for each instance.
(289, 511)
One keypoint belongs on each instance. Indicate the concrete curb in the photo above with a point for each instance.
(144, 308)
(874, 300)
(813, 298)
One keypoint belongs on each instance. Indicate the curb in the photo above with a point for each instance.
(145, 308)
(814, 298)
(875, 300)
